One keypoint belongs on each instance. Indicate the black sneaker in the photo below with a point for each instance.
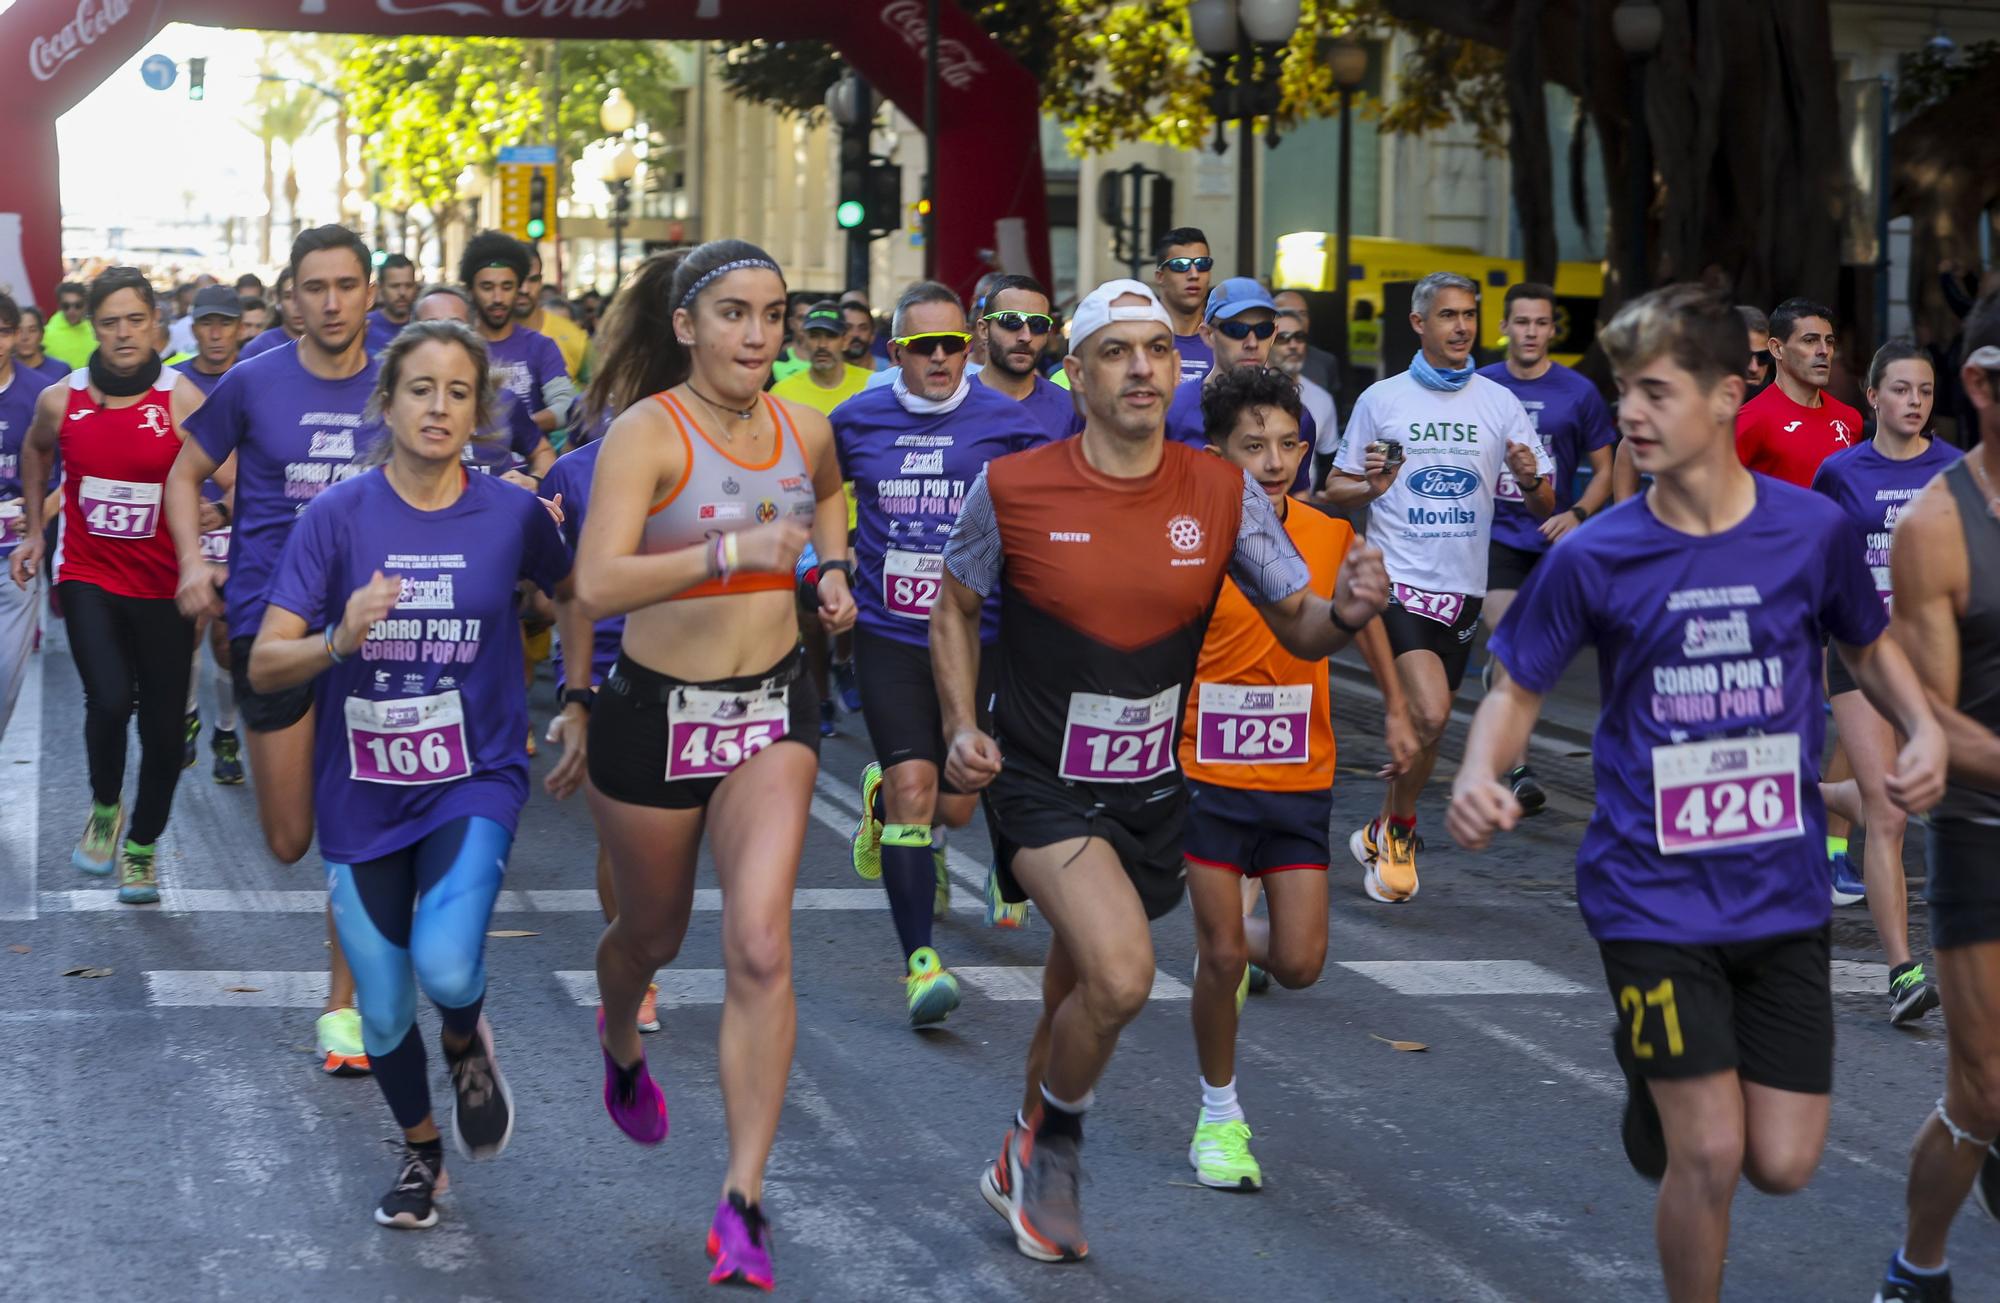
(482, 1116)
(411, 1204)
(1911, 993)
(1645, 1140)
(228, 756)
(1526, 790)
(192, 735)
(1986, 1189)
(1901, 1285)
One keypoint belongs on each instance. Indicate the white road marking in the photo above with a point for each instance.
(203, 900)
(1854, 977)
(1024, 982)
(21, 812)
(182, 988)
(1465, 977)
(678, 986)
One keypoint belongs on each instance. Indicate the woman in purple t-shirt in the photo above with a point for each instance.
(388, 599)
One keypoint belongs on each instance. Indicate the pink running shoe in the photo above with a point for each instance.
(739, 1240)
(632, 1097)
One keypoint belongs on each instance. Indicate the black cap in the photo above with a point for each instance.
(825, 315)
(217, 301)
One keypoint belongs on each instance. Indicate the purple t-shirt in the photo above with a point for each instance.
(275, 337)
(1700, 640)
(380, 330)
(1054, 409)
(1873, 491)
(524, 363)
(1197, 358)
(293, 435)
(508, 442)
(1570, 415)
(1184, 425)
(910, 477)
(17, 413)
(52, 367)
(430, 707)
(571, 476)
(201, 380)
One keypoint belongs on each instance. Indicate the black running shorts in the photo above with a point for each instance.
(1960, 883)
(899, 700)
(1452, 642)
(1508, 567)
(264, 712)
(1027, 807)
(1255, 833)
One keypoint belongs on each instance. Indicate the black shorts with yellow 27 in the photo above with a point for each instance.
(1763, 1008)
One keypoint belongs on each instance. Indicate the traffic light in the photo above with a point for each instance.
(538, 205)
(870, 196)
(197, 79)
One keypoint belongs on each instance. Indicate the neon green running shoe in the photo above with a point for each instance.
(100, 840)
(1000, 912)
(137, 884)
(868, 831)
(940, 852)
(932, 992)
(337, 1037)
(1220, 1154)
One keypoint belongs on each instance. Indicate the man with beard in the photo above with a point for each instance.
(1015, 325)
(530, 311)
(525, 362)
(1794, 424)
(859, 346)
(396, 294)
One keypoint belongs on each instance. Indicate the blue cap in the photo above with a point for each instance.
(1236, 295)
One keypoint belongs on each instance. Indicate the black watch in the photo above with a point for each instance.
(1333, 614)
(843, 566)
(1580, 514)
(585, 697)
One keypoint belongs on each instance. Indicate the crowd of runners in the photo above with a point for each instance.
(1083, 577)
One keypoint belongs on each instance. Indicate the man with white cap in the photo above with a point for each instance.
(1108, 551)
(1237, 325)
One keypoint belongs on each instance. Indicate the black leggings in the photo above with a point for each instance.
(131, 650)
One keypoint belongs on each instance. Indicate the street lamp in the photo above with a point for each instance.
(1636, 25)
(618, 168)
(1252, 34)
(617, 114)
(1348, 60)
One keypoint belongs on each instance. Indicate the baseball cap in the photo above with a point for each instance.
(824, 315)
(1096, 311)
(216, 301)
(1236, 295)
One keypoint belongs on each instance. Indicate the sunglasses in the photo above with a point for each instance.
(1243, 329)
(952, 342)
(1182, 266)
(71, 305)
(1038, 323)
(1291, 336)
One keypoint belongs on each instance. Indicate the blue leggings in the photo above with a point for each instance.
(418, 917)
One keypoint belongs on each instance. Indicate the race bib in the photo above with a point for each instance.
(710, 733)
(1238, 725)
(911, 582)
(215, 545)
(1117, 740)
(1507, 488)
(1445, 608)
(408, 741)
(1709, 796)
(119, 508)
(13, 523)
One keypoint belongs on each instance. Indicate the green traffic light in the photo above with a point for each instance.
(537, 229)
(849, 214)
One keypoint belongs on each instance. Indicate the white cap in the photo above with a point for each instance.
(1096, 311)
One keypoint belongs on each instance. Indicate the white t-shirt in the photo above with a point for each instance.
(1316, 400)
(1434, 523)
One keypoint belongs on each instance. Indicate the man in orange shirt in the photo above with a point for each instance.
(1258, 752)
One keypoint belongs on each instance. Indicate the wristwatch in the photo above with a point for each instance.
(1333, 614)
(1531, 485)
(845, 567)
(585, 697)
(1580, 514)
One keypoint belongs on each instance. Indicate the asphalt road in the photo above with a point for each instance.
(165, 1137)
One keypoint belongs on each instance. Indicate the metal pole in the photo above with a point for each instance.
(1640, 145)
(854, 150)
(1344, 229)
(931, 139)
(620, 201)
(1246, 161)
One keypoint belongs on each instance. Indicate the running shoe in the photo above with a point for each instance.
(531, 741)
(1364, 846)
(482, 1113)
(868, 829)
(228, 769)
(1220, 1155)
(1911, 994)
(1847, 888)
(1391, 876)
(1260, 980)
(1986, 1189)
(632, 1097)
(137, 883)
(826, 728)
(932, 992)
(940, 854)
(1001, 912)
(411, 1204)
(1901, 1285)
(100, 840)
(190, 752)
(1645, 1139)
(649, 1009)
(849, 686)
(339, 1037)
(739, 1243)
(1034, 1186)
(1526, 790)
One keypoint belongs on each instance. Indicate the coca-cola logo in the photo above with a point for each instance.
(48, 54)
(506, 8)
(956, 66)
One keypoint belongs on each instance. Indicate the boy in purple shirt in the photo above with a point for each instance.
(525, 362)
(1700, 875)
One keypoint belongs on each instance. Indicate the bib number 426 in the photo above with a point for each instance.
(1713, 795)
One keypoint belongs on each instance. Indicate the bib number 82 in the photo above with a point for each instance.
(407, 756)
(1735, 809)
(910, 593)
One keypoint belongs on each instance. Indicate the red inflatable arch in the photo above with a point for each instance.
(54, 52)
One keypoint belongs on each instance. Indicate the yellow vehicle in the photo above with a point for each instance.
(1305, 262)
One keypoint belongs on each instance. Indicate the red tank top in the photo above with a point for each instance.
(115, 463)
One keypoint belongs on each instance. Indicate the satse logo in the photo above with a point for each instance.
(47, 54)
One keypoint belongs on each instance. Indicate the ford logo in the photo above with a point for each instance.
(1446, 482)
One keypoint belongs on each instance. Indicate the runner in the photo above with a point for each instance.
(1258, 750)
(1699, 875)
(117, 424)
(1874, 483)
(531, 311)
(1016, 324)
(68, 336)
(859, 345)
(19, 604)
(396, 298)
(912, 450)
(1316, 365)
(255, 321)
(1574, 425)
(1290, 351)
(291, 419)
(1108, 552)
(513, 446)
(419, 771)
(1181, 268)
(216, 315)
(1946, 572)
(28, 350)
(1625, 480)
(289, 326)
(1238, 325)
(705, 724)
(529, 364)
(1467, 437)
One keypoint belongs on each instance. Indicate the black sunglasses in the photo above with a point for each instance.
(951, 342)
(1182, 266)
(1243, 329)
(69, 304)
(1038, 323)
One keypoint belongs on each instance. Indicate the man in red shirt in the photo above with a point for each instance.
(1793, 425)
